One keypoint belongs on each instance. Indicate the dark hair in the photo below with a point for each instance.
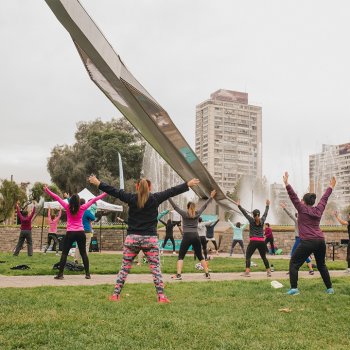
(267, 224)
(296, 215)
(238, 224)
(256, 212)
(74, 204)
(309, 198)
(169, 221)
(82, 201)
(200, 219)
(24, 212)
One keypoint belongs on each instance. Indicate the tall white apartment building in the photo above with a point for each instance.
(333, 160)
(229, 137)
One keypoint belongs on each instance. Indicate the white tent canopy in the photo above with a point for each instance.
(87, 195)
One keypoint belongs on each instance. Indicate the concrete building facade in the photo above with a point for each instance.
(229, 137)
(333, 160)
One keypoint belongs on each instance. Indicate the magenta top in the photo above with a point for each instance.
(53, 223)
(75, 222)
(268, 232)
(309, 217)
(26, 221)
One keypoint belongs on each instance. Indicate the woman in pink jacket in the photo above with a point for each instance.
(52, 235)
(75, 229)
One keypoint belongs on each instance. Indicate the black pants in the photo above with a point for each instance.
(25, 235)
(214, 242)
(167, 237)
(68, 240)
(270, 240)
(303, 251)
(52, 237)
(190, 238)
(252, 246)
(234, 242)
(204, 244)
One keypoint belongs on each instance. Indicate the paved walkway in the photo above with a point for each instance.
(79, 280)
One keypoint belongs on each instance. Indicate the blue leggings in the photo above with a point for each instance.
(296, 243)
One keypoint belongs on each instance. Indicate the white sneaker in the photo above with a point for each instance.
(161, 252)
(174, 253)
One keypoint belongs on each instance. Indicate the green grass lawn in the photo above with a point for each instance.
(212, 315)
(100, 263)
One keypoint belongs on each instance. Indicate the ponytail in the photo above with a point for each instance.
(143, 192)
(191, 209)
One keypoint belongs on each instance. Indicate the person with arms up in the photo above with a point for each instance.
(312, 240)
(238, 230)
(52, 235)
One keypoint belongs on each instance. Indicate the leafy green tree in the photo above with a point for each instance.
(10, 193)
(96, 151)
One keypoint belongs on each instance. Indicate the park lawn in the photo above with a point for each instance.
(100, 263)
(211, 315)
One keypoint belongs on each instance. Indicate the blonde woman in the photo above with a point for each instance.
(142, 228)
(190, 234)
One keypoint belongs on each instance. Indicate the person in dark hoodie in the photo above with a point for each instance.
(26, 230)
(312, 239)
(142, 228)
(256, 236)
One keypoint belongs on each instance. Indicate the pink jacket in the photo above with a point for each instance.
(75, 222)
(53, 222)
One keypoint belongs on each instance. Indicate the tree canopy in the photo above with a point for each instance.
(95, 151)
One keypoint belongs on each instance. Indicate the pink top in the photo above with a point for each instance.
(74, 222)
(53, 222)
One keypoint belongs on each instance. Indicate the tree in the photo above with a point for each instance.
(10, 193)
(96, 151)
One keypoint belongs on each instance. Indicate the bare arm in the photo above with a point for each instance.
(341, 221)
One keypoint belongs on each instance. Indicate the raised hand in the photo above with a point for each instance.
(238, 202)
(283, 205)
(267, 202)
(94, 180)
(285, 178)
(332, 182)
(193, 182)
(213, 193)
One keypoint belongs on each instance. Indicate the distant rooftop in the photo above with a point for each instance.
(230, 96)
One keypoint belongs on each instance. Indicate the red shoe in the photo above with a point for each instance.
(163, 300)
(114, 297)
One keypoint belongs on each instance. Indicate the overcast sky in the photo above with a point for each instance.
(292, 57)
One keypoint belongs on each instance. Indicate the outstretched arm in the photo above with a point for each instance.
(243, 211)
(341, 221)
(64, 204)
(263, 218)
(163, 213)
(92, 201)
(164, 223)
(176, 208)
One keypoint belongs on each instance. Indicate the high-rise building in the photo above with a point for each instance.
(229, 137)
(333, 160)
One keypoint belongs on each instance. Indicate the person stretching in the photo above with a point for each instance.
(210, 235)
(202, 233)
(297, 239)
(169, 233)
(26, 230)
(269, 238)
(75, 229)
(237, 235)
(343, 222)
(142, 228)
(312, 239)
(190, 234)
(256, 236)
(52, 235)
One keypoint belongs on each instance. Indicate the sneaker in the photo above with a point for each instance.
(174, 253)
(162, 299)
(88, 276)
(59, 277)
(268, 273)
(246, 274)
(207, 276)
(177, 277)
(293, 291)
(57, 254)
(114, 297)
(311, 272)
(330, 291)
(161, 252)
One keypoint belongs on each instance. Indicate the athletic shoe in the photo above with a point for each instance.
(311, 272)
(114, 297)
(174, 253)
(57, 254)
(246, 274)
(177, 277)
(59, 277)
(293, 291)
(330, 291)
(87, 276)
(207, 276)
(268, 273)
(161, 252)
(163, 299)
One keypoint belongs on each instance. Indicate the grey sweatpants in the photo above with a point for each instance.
(25, 235)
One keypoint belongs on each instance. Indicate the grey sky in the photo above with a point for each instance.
(292, 57)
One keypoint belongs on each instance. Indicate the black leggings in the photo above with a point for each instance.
(68, 240)
(191, 238)
(214, 242)
(234, 242)
(303, 251)
(52, 237)
(167, 237)
(252, 246)
(204, 244)
(270, 240)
